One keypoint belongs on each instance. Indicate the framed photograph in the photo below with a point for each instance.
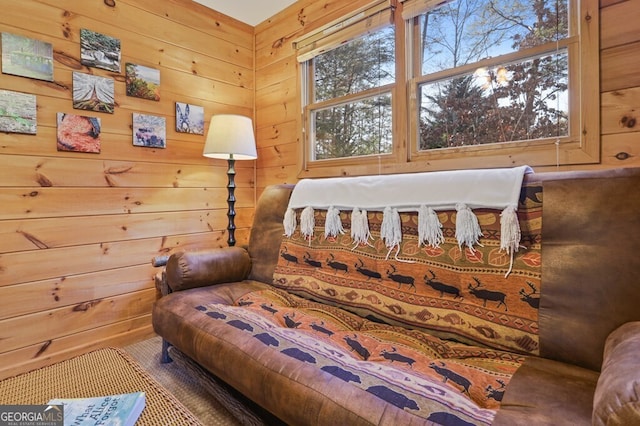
(99, 50)
(17, 112)
(78, 133)
(149, 131)
(93, 93)
(142, 82)
(189, 118)
(27, 57)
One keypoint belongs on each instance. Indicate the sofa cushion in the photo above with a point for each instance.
(406, 369)
(454, 291)
(590, 262)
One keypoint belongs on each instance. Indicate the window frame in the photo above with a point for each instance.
(356, 165)
(581, 146)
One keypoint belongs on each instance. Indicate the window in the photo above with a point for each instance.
(351, 111)
(414, 85)
(496, 77)
(349, 84)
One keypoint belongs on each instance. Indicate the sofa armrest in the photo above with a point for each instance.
(617, 396)
(190, 269)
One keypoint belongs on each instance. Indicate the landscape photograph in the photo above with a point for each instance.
(17, 112)
(93, 93)
(99, 50)
(142, 82)
(27, 57)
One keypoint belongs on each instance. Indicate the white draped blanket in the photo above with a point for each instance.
(462, 190)
(490, 188)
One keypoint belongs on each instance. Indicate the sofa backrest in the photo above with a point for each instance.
(589, 262)
(267, 231)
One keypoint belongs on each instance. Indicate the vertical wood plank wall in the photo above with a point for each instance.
(278, 110)
(78, 231)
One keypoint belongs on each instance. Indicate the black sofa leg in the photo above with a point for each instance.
(165, 358)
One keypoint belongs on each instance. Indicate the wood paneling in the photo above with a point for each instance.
(78, 231)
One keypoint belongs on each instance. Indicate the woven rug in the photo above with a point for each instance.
(192, 390)
(102, 372)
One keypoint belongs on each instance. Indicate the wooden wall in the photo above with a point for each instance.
(77, 230)
(278, 112)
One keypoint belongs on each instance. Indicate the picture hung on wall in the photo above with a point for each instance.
(189, 118)
(142, 82)
(93, 93)
(99, 50)
(78, 133)
(17, 112)
(27, 57)
(149, 131)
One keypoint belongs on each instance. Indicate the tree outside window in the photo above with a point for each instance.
(351, 112)
(494, 71)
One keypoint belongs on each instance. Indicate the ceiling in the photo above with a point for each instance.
(251, 12)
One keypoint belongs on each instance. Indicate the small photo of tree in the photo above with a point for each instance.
(142, 82)
(99, 50)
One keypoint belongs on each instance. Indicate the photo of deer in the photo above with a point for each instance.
(149, 131)
(17, 112)
(93, 93)
(27, 57)
(189, 118)
(99, 50)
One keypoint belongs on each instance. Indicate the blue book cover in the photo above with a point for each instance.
(121, 409)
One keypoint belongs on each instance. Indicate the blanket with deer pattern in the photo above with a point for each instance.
(440, 381)
(436, 331)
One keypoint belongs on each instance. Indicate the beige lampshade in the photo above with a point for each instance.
(230, 134)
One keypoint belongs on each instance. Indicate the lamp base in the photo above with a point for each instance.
(231, 201)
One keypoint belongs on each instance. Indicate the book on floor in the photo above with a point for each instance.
(120, 409)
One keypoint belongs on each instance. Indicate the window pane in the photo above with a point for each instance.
(525, 100)
(353, 129)
(466, 31)
(364, 63)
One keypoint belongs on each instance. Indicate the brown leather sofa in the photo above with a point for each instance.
(584, 367)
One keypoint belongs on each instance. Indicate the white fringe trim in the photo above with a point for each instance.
(333, 224)
(430, 232)
(467, 227)
(509, 234)
(391, 230)
(307, 223)
(360, 227)
(289, 222)
(429, 227)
